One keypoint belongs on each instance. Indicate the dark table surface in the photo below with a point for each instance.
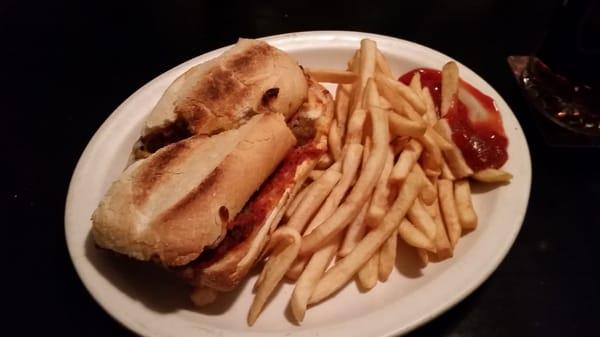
(67, 65)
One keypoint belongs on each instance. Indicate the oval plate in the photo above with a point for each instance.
(152, 303)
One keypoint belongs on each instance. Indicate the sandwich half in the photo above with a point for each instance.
(220, 156)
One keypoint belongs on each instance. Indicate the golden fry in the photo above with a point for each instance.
(310, 276)
(492, 176)
(418, 216)
(406, 161)
(401, 89)
(448, 205)
(368, 273)
(313, 199)
(450, 81)
(335, 141)
(350, 166)
(387, 257)
(414, 237)
(286, 243)
(464, 205)
(429, 192)
(379, 200)
(356, 231)
(402, 126)
(354, 134)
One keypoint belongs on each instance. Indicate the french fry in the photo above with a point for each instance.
(343, 270)
(382, 65)
(399, 104)
(351, 162)
(440, 141)
(406, 161)
(442, 242)
(361, 190)
(356, 231)
(310, 276)
(432, 208)
(432, 156)
(387, 257)
(342, 102)
(402, 126)
(429, 192)
(368, 273)
(450, 81)
(379, 201)
(371, 98)
(285, 243)
(448, 205)
(367, 61)
(296, 269)
(491, 175)
(419, 217)
(296, 201)
(385, 104)
(332, 75)
(313, 199)
(354, 133)
(415, 85)
(414, 237)
(454, 158)
(464, 205)
(446, 172)
(401, 89)
(430, 115)
(335, 141)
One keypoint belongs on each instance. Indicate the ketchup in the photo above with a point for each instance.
(481, 139)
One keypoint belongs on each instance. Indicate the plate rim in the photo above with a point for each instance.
(440, 308)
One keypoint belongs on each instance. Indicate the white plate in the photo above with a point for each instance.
(150, 303)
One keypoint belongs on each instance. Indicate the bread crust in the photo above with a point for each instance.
(221, 94)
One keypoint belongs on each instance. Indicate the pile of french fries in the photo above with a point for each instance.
(392, 173)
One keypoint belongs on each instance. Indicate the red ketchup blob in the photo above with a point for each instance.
(481, 139)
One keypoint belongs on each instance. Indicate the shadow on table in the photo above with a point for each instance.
(158, 289)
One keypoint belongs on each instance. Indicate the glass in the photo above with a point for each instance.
(562, 78)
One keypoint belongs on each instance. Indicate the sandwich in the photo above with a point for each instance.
(225, 149)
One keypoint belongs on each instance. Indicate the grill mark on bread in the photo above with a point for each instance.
(197, 192)
(248, 60)
(154, 171)
(218, 96)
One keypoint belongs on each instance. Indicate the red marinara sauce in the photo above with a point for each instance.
(478, 134)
